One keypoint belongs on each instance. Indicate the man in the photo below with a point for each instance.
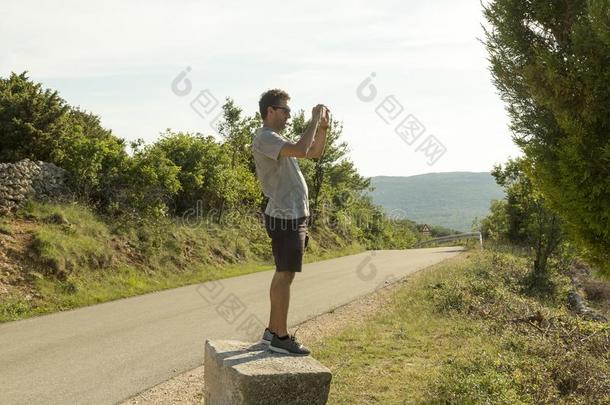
(287, 212)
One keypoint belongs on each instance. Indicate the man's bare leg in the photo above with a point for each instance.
(279, 294)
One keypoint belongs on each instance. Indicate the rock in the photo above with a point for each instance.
(239, 373)
(26, 179)
(577, 304)
(58, 219)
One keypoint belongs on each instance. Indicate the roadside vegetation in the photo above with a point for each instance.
(470, 330)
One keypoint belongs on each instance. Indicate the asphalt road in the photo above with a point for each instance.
(106, 353)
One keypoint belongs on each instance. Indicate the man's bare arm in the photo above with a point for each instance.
(320, 140)
(317, 148)
(301, 148)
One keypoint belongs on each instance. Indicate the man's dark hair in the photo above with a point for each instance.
(270, 98)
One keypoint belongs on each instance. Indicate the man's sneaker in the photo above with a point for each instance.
(267, 336)
(288, 345)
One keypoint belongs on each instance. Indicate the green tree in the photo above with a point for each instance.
(92, 154)
(523, 218)
(147, 184)
(37, 124)
(32, 119)
(180, 169)
(550, 61)
(209, 173)
(237, 132)
(495, 225)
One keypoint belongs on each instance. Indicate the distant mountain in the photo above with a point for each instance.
(452, 199)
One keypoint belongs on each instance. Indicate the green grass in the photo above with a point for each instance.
(447, 336)
(76, 244)
(69, 252)
(77, 259)
(5, 228)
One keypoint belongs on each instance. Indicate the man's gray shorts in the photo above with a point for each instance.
(288, 241)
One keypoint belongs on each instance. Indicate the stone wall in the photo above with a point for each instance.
(27, 179)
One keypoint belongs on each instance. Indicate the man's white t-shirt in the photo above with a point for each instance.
(280, 176)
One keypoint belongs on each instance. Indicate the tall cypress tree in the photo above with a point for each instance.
(550, 61)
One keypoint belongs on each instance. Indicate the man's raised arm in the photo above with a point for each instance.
(317, 148)
(301, 148)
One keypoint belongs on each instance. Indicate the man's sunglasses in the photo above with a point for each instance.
(286, 109)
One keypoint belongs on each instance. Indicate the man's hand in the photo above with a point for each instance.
(317, 113)
(317, 148)
(325, 119)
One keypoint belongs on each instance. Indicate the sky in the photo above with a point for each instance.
(408, 80)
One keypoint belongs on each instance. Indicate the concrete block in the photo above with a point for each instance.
(239, 373)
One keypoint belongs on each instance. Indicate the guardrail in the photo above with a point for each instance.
(468, 235)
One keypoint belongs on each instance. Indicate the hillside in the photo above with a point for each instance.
(58, 256)
(452, 199)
